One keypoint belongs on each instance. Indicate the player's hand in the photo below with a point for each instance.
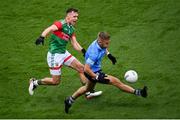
(83, 51)
(112, 58)
(102, 78)
(40, 40)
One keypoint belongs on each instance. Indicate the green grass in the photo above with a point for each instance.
(145, 37)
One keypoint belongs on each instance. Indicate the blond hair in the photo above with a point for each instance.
(103, 36)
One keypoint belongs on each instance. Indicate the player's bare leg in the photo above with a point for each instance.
(55, 80)
(80, 68)
(116, 82)
(83, 78)
(88, 87)
(112, 81)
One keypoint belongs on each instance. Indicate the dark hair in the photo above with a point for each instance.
(104, 35)
(71, 9)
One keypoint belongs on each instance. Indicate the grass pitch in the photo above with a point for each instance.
(145, 37)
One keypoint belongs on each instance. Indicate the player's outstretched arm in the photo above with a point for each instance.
(77, 46)
(111, 57)
(45, 33)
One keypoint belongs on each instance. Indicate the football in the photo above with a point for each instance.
(131, 76)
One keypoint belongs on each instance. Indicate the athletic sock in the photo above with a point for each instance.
(71, 100)
(137, 92)
(37, 82)
(87, 93)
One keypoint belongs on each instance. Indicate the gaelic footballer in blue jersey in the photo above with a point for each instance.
(93, 72)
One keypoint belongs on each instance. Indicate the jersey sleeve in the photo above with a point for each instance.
(58, 24)
(92, 58)
(90, 62)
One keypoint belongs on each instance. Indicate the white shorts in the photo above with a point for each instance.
(56, 61)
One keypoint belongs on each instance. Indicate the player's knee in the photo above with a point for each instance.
(81, 68)
(115, 81)
(55, 81)
(86, 89)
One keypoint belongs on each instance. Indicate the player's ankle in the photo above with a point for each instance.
(37, 82)
(137, 92)
(71, 100)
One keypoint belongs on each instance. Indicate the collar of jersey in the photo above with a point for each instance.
(98, 46)
(64, 22)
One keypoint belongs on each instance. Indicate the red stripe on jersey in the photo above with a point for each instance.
(61, 35)
(58, 24)
(56, 68)
(68, 58)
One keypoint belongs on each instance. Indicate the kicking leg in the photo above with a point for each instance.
(116, 82)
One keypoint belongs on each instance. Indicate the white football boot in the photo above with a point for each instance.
(32, 86)
(93, 94)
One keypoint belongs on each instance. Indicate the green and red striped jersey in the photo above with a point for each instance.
(60, 38)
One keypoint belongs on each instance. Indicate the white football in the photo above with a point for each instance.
(131, 76)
